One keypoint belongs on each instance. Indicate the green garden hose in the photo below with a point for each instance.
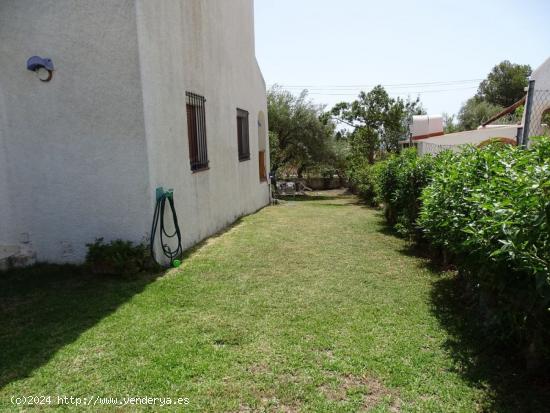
(174, 255)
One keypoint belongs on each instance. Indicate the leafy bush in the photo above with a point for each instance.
(364, 179)
(400, 182)
(488, 211)
(490, 208)
(118, 257)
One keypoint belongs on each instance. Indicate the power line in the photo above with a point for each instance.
(388, 85)
(349, 89)
(418, 92)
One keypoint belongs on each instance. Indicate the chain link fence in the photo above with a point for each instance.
(536, 122)
(509, 119)
(539, 119)
(428, 148)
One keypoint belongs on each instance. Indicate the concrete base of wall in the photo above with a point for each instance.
(13, 256)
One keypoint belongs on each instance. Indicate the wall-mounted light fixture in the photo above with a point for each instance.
(43, 67)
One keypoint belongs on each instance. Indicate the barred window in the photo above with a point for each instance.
(242, 135)
(196, 131)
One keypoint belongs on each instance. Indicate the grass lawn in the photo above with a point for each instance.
(310, 305)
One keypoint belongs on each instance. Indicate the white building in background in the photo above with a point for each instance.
(455, 140)
(539, 96)
(535, 116)
(426, 126)
(143, 94)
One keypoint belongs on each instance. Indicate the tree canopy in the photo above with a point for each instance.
(476, 111)
(378, 121)
(300, 136)
(505, 84)
(503, 87)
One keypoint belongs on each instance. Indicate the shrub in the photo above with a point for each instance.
(401, 179)
(118, 257)
(490, 208)
(364, 179)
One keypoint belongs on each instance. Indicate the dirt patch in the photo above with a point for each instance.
(270, 405)
(327, 354)
(274, 405)
(374, 392)
(290, 378)
(258, 368)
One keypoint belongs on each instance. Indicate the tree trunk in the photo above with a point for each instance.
(371, 157)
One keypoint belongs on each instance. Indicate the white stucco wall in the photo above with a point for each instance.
(423, 125)
(75, 149)
(204, 47)
(7, 234)
(541, 98)
(472, 137)
(85, 152)
(541, 75)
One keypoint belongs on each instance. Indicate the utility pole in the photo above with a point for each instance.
(528, 110)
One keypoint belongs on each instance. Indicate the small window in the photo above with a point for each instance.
(196, 131)
(242, 135)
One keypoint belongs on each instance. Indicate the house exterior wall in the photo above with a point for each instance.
(75, 147)
(541, 76)
(85, 152)
(540, 99)
(6, 219)
(204, 47)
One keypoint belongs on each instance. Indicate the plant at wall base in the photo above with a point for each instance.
(118, 257)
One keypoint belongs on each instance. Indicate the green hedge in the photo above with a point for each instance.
(396, 183)
(490, 209)
(400, 181)
(364, 178)
(486, 210)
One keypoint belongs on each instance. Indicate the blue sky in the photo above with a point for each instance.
(334, 47)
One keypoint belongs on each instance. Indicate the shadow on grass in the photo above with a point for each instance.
(212, 238)
(478, 360)
(300, 198)
(46, 307)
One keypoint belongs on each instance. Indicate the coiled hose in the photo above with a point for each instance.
(174, 255)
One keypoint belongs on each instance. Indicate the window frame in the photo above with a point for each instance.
(243, 135)
(196, 132)
(262, 166)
